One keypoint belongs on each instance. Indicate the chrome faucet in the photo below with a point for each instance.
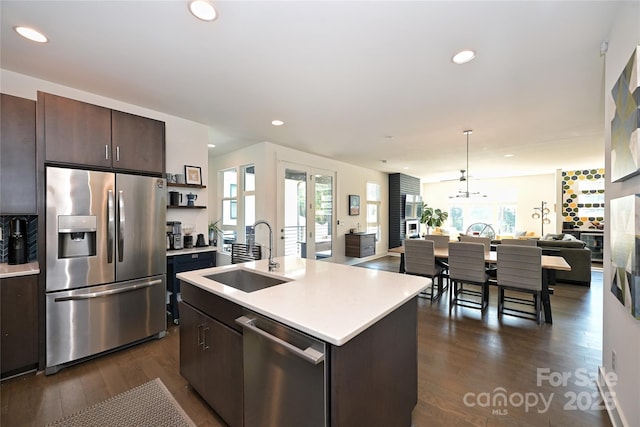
(272, 264)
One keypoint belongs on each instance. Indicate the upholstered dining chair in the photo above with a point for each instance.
(441, 242)
(419, 260)
(467, 267)
(475, 239)
(520, 242)
(520, 269)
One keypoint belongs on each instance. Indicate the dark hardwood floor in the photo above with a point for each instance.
(466, 363)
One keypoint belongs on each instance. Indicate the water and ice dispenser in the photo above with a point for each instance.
(76, 236)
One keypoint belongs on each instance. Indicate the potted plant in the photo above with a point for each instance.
(214, 232)
(433, 217)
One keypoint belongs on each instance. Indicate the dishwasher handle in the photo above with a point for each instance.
(309, 354)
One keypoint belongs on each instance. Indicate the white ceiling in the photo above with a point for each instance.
(358, 81)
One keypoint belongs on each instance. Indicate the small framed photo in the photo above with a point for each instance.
(193, 174)
(354, 204)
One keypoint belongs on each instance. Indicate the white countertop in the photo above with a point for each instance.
(191, 250)
(18, 270)
(332, 302)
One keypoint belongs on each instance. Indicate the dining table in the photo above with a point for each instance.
(550, 264)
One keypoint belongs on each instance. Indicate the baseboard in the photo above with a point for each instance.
(608, 395)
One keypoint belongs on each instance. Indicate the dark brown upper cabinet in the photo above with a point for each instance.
(137, 143)
(17, 156)
(78, 133)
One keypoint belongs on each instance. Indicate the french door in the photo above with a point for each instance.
(305, 211)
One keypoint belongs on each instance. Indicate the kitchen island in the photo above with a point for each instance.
(366, 320)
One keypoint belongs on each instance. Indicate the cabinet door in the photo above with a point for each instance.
(17, 155)
(76, 132)
(223, 353)
(137, 142)
(19, 324)
(191, 346)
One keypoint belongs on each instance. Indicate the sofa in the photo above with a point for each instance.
(575, 253)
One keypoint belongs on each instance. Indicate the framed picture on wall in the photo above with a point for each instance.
(193, 175)
(354, 204)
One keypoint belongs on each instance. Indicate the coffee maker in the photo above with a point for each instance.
(17, 241)
(174, 234)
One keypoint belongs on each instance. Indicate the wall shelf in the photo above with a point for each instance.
(173, 184)
(185, 207)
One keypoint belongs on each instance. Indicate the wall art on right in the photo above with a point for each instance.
(625, 126)
(625, 251)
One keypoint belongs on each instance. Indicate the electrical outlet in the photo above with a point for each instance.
(613, 360)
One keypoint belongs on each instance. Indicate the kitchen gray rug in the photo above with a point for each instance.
(148, 405)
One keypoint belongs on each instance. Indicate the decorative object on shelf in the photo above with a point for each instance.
(214, 232)
(354, 204)
(541, 213)
(625, 251)
(193, 174)
(171, 178)
(433, 217)
(191, 199)
(466, 194)
(179, 178)
(175, 198)
(625, 126)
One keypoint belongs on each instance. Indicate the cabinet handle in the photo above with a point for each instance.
(201, 335)
(118, 153)
(106, 152)
(204, 338)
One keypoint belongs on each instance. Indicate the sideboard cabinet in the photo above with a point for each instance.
(360, 244)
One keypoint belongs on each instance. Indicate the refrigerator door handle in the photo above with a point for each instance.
(121, 224)
(91, 295)
(111, 225)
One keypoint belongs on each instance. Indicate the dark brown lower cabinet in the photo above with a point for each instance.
(211, 360)
(19, 324)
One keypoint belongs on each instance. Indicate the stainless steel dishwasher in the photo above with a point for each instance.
(285, 375)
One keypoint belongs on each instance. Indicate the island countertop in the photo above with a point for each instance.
(332, 302)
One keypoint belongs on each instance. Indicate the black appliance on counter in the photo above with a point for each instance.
(18, 241)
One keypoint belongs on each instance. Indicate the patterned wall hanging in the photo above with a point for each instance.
(625, 251)
(625, 126)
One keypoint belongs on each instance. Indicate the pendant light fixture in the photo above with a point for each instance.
(466, 194)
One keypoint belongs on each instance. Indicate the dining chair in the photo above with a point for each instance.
(520, 270)
(441, 242)
(467, 267)
(519, 242)
(240, 252)
(475, 239)
(419, 260)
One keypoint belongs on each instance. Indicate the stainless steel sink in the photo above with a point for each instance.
(246, 281)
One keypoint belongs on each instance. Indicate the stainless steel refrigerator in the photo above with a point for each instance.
(106, 262)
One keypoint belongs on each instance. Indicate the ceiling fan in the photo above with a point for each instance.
(464, 178)
(461, 178)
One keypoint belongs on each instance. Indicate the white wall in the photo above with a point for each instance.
(186, 141)
(526, 191)
(349, 180)
(621, 332)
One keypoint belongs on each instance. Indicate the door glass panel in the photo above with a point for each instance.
(323, 216)
(295, 213)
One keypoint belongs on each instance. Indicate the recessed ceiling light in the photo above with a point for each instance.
(277, 122)
(463, 56)
(406, 168)
(31, 34)
(211, 145)
(203, 9)
(508, 155)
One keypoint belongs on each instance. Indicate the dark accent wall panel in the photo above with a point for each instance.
(399, 185)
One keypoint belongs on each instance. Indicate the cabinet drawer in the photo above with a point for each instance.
(217, 307)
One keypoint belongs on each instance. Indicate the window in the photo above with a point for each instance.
(500, 215)
(373, 209)
(238, 208)
(591, 198)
